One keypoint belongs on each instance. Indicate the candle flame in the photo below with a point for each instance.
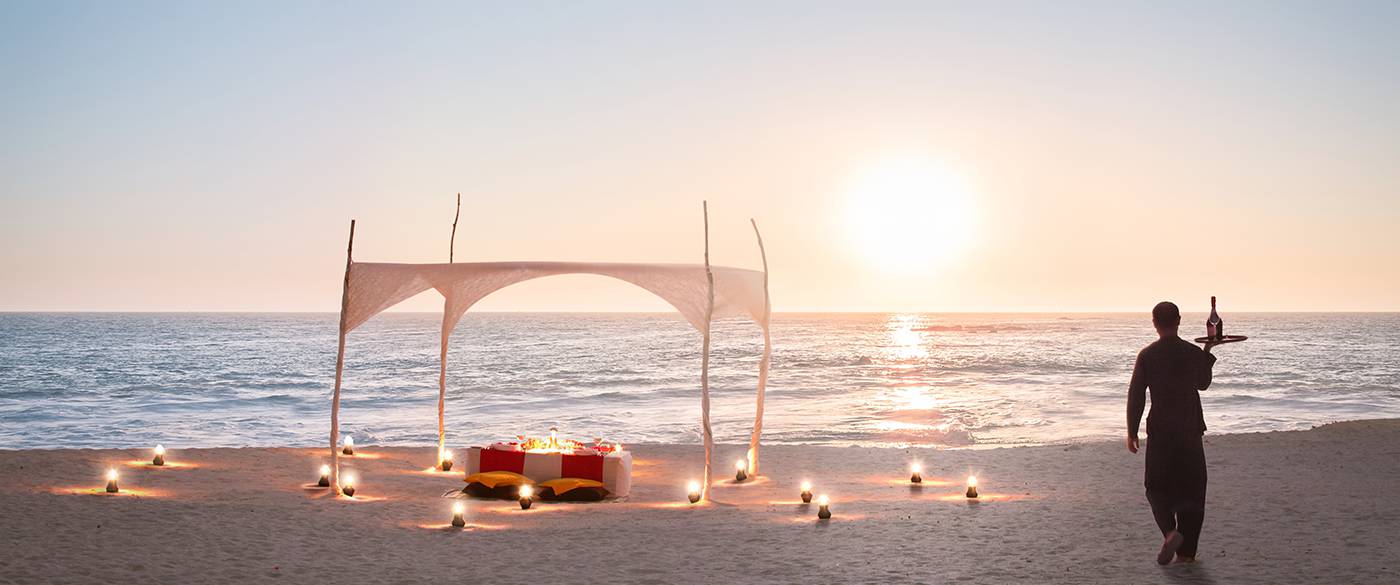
(806, 486)
(916, 468)
(458, 508)
(160, 449)
(822, 500)
(111, 475)
(526, 491)
(740, 464)
(349, 441)
(325, 470)
(694, 487)
(971, 481)
(349, 479)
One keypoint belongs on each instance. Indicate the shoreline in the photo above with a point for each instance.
(1283, 506)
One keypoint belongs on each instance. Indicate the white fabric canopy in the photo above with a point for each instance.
(372, 287)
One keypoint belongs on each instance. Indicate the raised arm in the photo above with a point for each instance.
(1137, 401)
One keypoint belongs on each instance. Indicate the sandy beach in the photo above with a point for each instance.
(1307, 506)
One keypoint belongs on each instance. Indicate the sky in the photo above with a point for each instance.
(897, 156)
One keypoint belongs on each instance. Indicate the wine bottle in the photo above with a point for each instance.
(1215, 328)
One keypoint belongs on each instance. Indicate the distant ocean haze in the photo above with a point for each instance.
(958, 380)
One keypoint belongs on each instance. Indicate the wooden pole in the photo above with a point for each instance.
(340, 364)
(705, 360)
(452, 242)
(762, 363)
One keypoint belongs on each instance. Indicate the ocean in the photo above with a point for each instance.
(955, 380)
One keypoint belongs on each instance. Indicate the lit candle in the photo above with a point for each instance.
(916, 473)
(349, 445)
(111, 481)
(617, 448)
(694, 492)
(325, 477)
(806, 492)
(527, 494)
(160, 456)
(823, 507)
(971, 486)
(741, 470)
(457, 519)
(348, 486)
(445, 460)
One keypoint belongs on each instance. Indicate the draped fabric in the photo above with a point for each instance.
(372, 287)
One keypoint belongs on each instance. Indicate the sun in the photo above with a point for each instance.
(908, 214)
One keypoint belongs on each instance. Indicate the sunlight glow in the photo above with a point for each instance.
(908, 214)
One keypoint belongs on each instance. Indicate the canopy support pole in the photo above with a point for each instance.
(340, 364)
(762, 363)
(705, 359)
(442, 354)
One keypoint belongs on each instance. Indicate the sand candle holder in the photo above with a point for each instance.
(348, 488)
(806, 492)
(445, 460)
(325, 480)
(112, 481)
(457, 520)
(741, 470)
(916, 473)
(823, 508)
(159, 459)
(527, 496)
(972, 486)
(349, 446)
(693, 494)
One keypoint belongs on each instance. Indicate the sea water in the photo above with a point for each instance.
(962, 380)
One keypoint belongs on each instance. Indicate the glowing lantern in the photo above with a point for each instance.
(325, 477)
(527, 494)
(823, 507)
(806, 492)
(347, 487)
(457, 510)
(694, 492)
(971, 486)
(160, 456)
(916, 473)
(111, 481)
(349, 446)
(445, 460)
(741, 470)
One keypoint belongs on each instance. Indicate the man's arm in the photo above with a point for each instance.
(1137, 400)
(1204, 375)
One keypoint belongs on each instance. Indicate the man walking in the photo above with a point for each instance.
(1175, 370)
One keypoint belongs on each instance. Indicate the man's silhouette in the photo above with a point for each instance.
(1176, 371)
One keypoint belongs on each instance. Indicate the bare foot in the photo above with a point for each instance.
(1169, 546)
(1185, 559)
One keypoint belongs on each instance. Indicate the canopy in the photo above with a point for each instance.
(698, 291)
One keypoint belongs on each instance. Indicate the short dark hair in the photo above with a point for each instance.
(1166, 313)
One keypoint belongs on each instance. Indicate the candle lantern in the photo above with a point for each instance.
(916, 473)
(972, 486)
(694, 492)
(112, 481)
(527, 496)
(325, 480)
(159, 459)
(349, 446)
(806, 492)
(823, 507)
(348, 486)
(457, 519)
(741, 470)
(445, 460)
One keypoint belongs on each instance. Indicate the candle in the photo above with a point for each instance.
(457, 519)
(806, 492)
(916, 473)
(349, 445)
(694, 492)
(348, 486)
(971, 486)
(741, 470)
(111, 481)
(527, 494)
(325, 477)
(445, 460)
(823, 507)
(160, 456)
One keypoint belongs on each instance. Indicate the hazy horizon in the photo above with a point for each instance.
(898, 157)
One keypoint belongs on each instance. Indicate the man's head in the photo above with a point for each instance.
(1166, 317)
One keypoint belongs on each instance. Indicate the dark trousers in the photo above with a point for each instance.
(1176, 486)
